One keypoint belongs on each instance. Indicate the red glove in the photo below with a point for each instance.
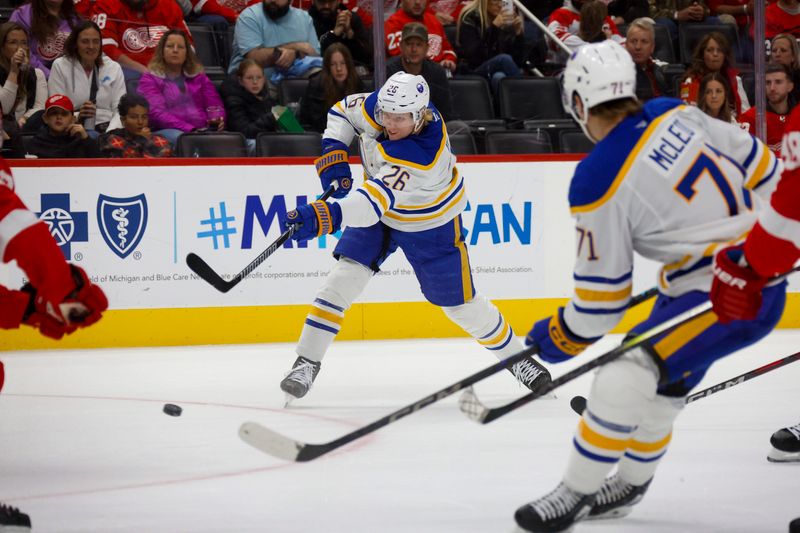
(80, 308)
(736, 289)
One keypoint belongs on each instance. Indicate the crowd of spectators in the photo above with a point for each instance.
(121, 68)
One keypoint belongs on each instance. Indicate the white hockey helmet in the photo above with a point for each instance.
(403, 93)
(597, 73)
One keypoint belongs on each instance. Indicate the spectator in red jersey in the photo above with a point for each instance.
(132, 29)
(334, 23)
(782, 16)
(779, 104)
(713, 54)
(716, 98)
(565, 24)
(439, 48)
(48, 24)
(785, 50)
(490, 40)
(640, 42)
(447, 11)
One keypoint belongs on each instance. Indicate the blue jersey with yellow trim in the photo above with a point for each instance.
(672, 184)
(411, 184)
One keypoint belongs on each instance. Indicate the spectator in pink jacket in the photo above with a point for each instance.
(182, 98)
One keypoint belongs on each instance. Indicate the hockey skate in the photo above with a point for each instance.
(555, 512)
(785, 445)
(299, 380)
(531, 374)
(12, 520)
(616, 498)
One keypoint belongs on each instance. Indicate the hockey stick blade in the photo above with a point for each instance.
(578, 403)
(472, 407)
(208, 274)
(277, 445)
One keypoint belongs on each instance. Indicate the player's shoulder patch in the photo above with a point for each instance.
(597, 177)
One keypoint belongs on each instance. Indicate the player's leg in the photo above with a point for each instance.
(440, 261)
(624, 393)
(360, 252)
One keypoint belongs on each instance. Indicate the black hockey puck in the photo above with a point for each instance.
(794, 526)
(578, 404)
(172, 410)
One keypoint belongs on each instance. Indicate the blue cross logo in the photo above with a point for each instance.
(65, 226)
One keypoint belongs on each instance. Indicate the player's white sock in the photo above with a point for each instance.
(343, 285)
(483, 321)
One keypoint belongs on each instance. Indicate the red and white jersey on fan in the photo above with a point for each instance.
(774, 244)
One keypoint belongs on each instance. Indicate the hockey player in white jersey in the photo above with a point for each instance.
(669, 182)
(412, 198)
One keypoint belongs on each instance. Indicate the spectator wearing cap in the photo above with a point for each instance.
(414, 59)
(61, 136)
(334, 23)
(439, 48)
(640, 43)
(490, 40)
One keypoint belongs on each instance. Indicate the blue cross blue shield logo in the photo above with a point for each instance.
(122, 222)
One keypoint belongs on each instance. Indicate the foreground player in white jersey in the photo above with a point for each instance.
(671, 183)
(412, 198)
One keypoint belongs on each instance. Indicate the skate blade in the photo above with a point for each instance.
(777, 456)
(612, 514)
(287, 401)
(519, 529)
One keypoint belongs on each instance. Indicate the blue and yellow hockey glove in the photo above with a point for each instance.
(555, 341)
(314, 219)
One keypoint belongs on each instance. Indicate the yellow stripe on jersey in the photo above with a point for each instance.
(648, 447)
(601, 441)
(442, 146)
(632, 157)
(336, 319)
(761, 168)
(603, 296)
(499, 337)
(339, 106)
(369, 118)
(676, 340)
(466, 273)
(376, 194)
(662, 278)
(441, 197)
(431, 216)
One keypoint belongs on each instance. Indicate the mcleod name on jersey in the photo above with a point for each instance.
(410, 184)
(672, 184)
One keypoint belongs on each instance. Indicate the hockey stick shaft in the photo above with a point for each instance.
(278, 445)
(199, 266)
(578, 403)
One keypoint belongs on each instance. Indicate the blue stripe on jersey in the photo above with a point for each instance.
(328, 304)
(704, 262)
(643, 459)
(420, 149)
(599, 279)
(768, 177)
(337, 114)
(619, 428)
(385, 189)
(593, 456)
(375, 207)
(433, 208)
(369, 105)
(752, 154)
(589, 311)
(315, 324)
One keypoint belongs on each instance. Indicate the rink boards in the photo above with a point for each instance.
(131, 226)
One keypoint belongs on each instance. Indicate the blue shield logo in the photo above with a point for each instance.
(122, 222)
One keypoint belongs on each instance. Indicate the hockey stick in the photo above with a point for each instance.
(578, 403)
(273, 443)
(204, 270)
(471, 406)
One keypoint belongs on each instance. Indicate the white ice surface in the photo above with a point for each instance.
(84, 446)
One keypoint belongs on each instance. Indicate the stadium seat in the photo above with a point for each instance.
(530, 98)
(471, 98)
(664, 49)
(689, 35)
(217, 144)
(671, 74)
(574, 142)
(518, 142)
(307, 144)
(749, 83)
(551, 128)
(369, 84)
(206, 48)
(462, 144)
(291, 90)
